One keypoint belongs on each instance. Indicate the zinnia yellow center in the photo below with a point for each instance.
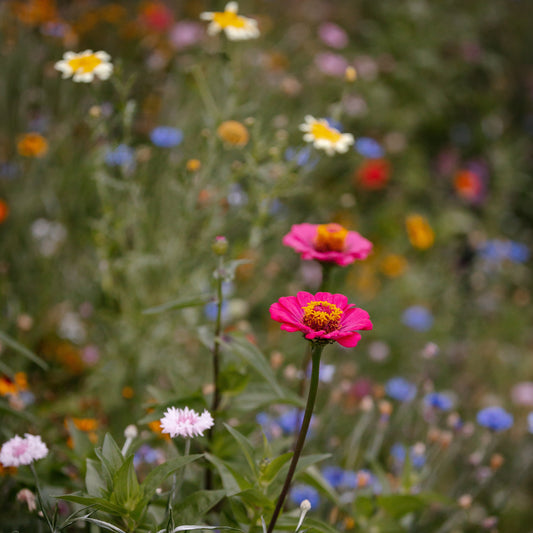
(330, 238)
(322, 131)
(228, 18)
(84, 63)
(322, 316)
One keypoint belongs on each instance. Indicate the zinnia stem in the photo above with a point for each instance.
(316, 352)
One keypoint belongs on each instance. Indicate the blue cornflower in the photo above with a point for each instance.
(301, 492)
(166, 137)
(438, 400)
(147, 454)
(400, 389)
(368, 147)
(416, 454)
(417, 317)
(530, 422)
(301, 157)
(495, 418)
(210, 310)
(497, 250)
(334, 123)
(334, 475)
(121, 156)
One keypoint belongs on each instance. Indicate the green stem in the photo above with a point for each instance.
(40, 499)
(316, 352)
(205, 93)
(326, 276)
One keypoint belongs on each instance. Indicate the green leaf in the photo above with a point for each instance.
(289, 523)
(12, 343)
(101, 504)
(398, 505)
(126, 488)
(197, 505)
(111, 454)
(180, 303)
(261, 397)
(196, 528)
(273, 468)
(253, 498)
(365, 506)
(255, 358)
(160, 473)
(94, 479)
(305, 462)
(102, 523)
(246, 447)
(233, 482)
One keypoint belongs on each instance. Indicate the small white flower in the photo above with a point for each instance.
(325, 137)
(236, 27)
(20, 451)
(185, 422)
(83, 67)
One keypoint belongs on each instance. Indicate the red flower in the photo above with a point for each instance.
(330, 243)
(373, 174)
(322, 317)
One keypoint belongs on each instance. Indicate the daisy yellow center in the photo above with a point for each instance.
(228, 18)
(84, 64)
(323, 131)
(322, 316)
(330, 238)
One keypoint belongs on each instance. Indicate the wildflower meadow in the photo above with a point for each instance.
(266, 266)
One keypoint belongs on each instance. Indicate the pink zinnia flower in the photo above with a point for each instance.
(185, 422)
(322, 317)
(20, 451)
(330, 243)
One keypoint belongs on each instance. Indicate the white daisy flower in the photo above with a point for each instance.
(236, 27)
(325, 137)
(83, 67)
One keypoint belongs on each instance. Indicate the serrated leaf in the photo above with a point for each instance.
(160, 473)
(197, 505)
(180, 303)
(246, 447)
(232, 481)
(12, 343)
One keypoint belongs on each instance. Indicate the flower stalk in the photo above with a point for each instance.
(316, 352)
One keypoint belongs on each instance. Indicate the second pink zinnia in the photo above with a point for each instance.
(329, 243)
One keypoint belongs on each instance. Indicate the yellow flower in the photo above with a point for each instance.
(393, 265)
(32, 145)
(325, 137)
(193, 165)
(236, 27)
(83, 67)
(233, 133)
(419, 231)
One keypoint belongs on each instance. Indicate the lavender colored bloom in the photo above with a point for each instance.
(301, 492)
(211, 310)
(331, 64)
(530, 422)
(497, 250)
(400, 389)
(417, 317)
(19, 451)
(166, 137)
(439, 401)
(149, 455)
(334, 475)
(368, 147)
(416, 454)
(186, 33)
(333, 35)
(495, 418)
(301, 157)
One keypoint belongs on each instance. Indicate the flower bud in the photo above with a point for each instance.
(131, 431)
(220, 246)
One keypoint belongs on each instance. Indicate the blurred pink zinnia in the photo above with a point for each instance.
(185, 422)
(330, 243)
(322, 317)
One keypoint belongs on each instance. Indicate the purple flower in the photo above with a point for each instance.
(186, 33)
(121, 156)
(417, 317)
(166, 137)
(368, 147)
(437, 400)
(331, 64)
(400, 389)
(333, 35)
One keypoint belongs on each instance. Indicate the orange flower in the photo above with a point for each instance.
(373, 174)
(4, 210)
(35, 12)
(393, 265)
(32, 145)
(193, 165)
(128, 392)
(155, 426)
(419, 231)
(469, 185)
(233, 133)
(85, 424)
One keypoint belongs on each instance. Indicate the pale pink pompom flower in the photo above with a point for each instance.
(185, 422)
(19, 451)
